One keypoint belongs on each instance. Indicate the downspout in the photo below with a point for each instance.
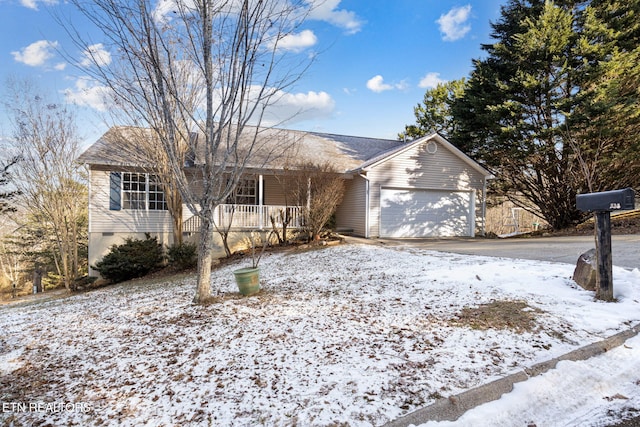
(367, 185)
(89, 209)
(90, 249)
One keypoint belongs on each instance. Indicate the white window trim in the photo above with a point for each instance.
(146, 192)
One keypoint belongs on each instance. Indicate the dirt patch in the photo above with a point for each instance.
(517, 316)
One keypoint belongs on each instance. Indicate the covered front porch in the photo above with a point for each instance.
(261, 201)
(237, 217)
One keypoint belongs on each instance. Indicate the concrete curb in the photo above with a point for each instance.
(452, 408)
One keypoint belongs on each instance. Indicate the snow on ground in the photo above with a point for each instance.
(582, 393)
(350, 335)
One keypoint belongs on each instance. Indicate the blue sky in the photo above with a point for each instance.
(376, 59)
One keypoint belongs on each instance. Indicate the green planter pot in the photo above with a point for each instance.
(248, 280)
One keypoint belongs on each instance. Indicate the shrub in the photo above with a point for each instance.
(134, 258)
(183, 256)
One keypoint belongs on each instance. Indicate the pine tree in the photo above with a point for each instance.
(6, 197)
(434, 114)
(608, 119)
(552, 110)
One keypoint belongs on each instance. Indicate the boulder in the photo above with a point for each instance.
(585, 272)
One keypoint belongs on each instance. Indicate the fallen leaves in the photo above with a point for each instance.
(505, 314)
(320, 345)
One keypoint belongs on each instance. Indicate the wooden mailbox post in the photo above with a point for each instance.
(601, 204)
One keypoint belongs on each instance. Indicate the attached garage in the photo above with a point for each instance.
(424, 188)
(410, 212)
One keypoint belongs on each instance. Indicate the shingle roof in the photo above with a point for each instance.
(361, 148)
(115, 148)
(277, 149)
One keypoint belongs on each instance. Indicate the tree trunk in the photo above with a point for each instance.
(203, 290)
(66, 268)
(176, 216)
(225, 242)
(285, 223)
(76, 259)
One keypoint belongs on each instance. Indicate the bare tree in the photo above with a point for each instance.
(141, 145)
(289, 180)
(319, 189)
(6, 197)
(51, 185)
(11, 259)
(280, 222)
(10, 264)
(226, 54)
(223, 226)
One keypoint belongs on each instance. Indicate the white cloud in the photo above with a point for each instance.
(320, 10)
(325, 10)
(36, 54)
(96, 54)
(403, 85)
(298, 42)
(164, 10)
(377, 84)
(430, 80)
(33, 4)
(89, 94)
(316, 100)
(297, 107)
(453, 24)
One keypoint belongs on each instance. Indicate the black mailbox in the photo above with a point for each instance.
(615, 200)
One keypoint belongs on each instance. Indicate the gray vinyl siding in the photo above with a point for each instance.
(417, 168)
(351, 214)
(274, 192)
(104, 220)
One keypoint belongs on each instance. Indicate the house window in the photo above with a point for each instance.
(245, 193)
(134, 190)
(157, 200)
(141, 191)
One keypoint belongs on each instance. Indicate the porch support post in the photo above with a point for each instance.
(260, 200)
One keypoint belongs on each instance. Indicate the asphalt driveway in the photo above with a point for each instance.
(567, 249)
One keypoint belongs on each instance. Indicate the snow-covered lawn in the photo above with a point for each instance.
(352, 335)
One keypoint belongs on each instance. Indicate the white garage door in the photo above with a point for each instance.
(425, 213)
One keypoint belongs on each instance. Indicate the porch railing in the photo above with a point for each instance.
(248, 217)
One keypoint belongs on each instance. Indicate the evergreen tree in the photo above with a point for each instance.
(607, 121)
(6, 196)
(552, 110)
(434, 114)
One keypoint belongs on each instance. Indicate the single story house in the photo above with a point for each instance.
(394, 189)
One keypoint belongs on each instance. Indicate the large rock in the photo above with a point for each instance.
(585, 272)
